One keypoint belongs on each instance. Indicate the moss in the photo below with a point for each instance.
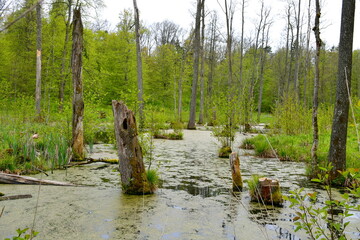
(224, 152)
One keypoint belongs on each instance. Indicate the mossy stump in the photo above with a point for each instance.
(235, 172)
(225, 152)
(131, 164)
(267, 191)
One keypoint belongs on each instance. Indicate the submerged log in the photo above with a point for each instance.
(132, 170)
(14, 197)
(17, 179)
(235, 171)
(267, 192)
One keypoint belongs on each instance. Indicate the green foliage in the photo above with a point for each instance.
(291, 117)
(22, 235)
(253, 183)
(311, 217)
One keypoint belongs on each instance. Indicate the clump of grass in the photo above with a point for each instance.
(153, 178)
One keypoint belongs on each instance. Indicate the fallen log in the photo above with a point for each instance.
(15, 197)
(17, 179)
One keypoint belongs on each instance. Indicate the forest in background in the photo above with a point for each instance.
(239, 78)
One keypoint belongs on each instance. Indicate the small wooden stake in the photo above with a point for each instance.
(235, 171)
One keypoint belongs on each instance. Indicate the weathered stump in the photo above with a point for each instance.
(132, 170)
(267, 192)
(235, 171)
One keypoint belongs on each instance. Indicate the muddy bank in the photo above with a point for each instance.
(193, 202)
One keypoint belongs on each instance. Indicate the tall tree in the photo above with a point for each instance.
(63, 71)
(78, 101)
(196, 46)
(202, 66)
(139, 66)
(38, 59)
(316, 30)
(337, 151)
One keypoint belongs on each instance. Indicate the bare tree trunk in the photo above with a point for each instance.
(139, 67)
(132, 169)
(212, 63)
(263, 63)
(229, 14)
(64, 55)
(337, 152)
(297, 52)
(38, 60)
(191, 124)
(78, 102)
(316, 29)
(242, 43)
(202, 66)
(308, 54)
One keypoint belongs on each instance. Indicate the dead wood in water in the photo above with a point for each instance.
(235, 171)
(15, 197)
(17, 179)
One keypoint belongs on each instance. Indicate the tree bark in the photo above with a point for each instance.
(202, 66)
(337, 151)
(297, 53)
(314, 148)
(235, 172)
(191, 123)
(132, 170)
(139, 67)
(78, 102)
(64, 55)
(38, 60)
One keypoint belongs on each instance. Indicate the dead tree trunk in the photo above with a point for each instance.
(64, 64)
(202, 66)
(314, 148)
(191, 123)
(78, 102)
(132, 170)
(38, 60)
(139, 66)
(235, 171)
(17, 179)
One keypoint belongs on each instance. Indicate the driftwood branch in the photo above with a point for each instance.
(15, 197)
(17, 179)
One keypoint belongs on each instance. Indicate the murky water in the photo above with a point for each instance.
(193, 202)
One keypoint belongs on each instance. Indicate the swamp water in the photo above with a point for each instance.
(193, 202)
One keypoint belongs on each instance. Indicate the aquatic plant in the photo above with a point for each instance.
(153, 178)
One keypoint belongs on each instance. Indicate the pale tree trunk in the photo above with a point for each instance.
(64, 56)
(242, 43)
(191, 124)
(131, 165)
(263, 62)
(337, 151)
(297, 52)
(308, 54)
(229, 14)
(212, 66)
(283, 80)
(38, 60)
(316, 29)
(78, 102)
(180, 88)
(254, 75)
(139, 67)
(202, 66)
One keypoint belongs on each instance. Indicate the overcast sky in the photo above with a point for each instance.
(180, 12)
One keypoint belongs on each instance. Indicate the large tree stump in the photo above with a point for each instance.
(132, 170)
(267, 192)
(235, 171)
